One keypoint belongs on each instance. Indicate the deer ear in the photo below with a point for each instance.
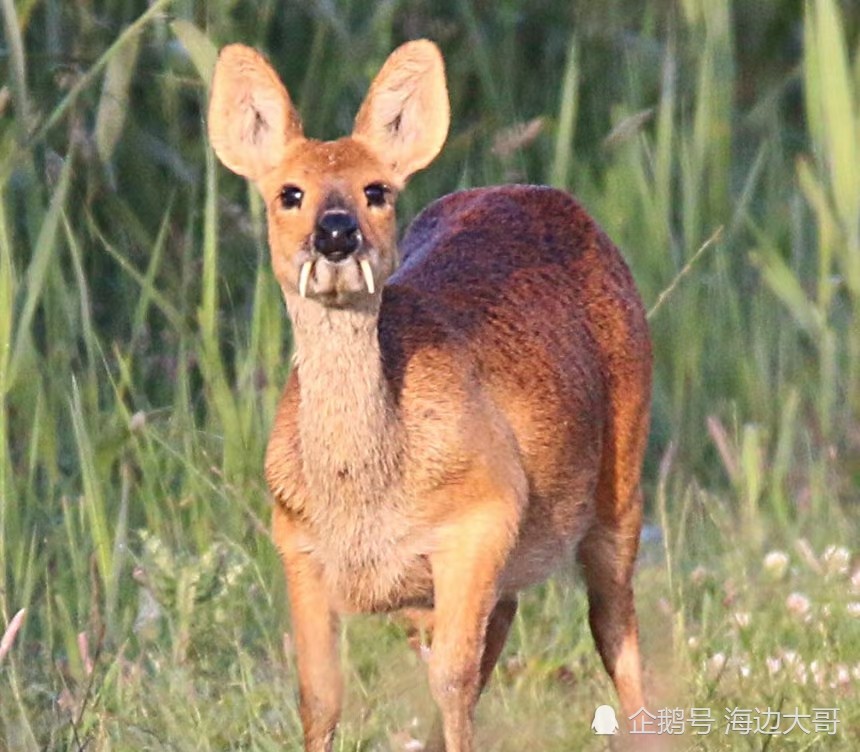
(251, 118)
(405, 117)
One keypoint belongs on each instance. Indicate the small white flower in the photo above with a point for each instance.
(790, 657)
(836, 559)
(776, 564)
(774, 665)
(798, 604)
(744, 670)
(742, 619)
(717, 663)
(693, 643)
(855, 581)
(137, 422)
(853, 609)
(842, 675)
(818, 673)
(800, 673)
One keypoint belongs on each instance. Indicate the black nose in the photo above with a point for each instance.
(336, 235)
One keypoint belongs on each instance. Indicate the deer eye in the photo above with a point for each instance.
(376, 194)
(291, 197)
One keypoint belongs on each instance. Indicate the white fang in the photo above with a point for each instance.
(304, 276)
(368, 275)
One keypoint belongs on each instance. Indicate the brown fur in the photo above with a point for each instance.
(463, 431)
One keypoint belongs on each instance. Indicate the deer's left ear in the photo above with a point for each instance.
(405, 117)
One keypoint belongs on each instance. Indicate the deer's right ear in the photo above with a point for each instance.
(251, 117)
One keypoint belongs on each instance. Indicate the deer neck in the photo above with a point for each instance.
(350, 433)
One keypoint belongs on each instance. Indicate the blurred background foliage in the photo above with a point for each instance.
(143, 342)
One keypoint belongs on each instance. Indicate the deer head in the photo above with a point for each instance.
(330, 204)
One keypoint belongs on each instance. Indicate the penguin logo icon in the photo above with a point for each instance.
(604, 720)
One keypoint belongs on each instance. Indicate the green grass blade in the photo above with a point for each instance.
(563, 156)
(18, 69)
(838, 108)
(95, 504)
(199, 47)
(211, 361)
(113, 103)
(7, 303)
(128, 35)
(164, 305)
(89, 333)
(784, 283)
(45, 252)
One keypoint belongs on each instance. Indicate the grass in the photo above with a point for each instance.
(143, 344)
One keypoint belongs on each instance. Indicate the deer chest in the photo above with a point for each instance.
(372, 559)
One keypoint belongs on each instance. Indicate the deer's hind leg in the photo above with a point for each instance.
(608, 550)
(607, 555)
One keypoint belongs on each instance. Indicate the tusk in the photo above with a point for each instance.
(304, 276)
(368, 275)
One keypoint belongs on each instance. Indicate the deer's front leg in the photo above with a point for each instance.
(466, 569)
(315, 629)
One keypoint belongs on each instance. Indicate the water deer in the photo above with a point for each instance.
(467, 410)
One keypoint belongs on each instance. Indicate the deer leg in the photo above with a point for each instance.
(607, 554)
(496, 637)
(498, 627)
(315, 629)
(466, 569)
